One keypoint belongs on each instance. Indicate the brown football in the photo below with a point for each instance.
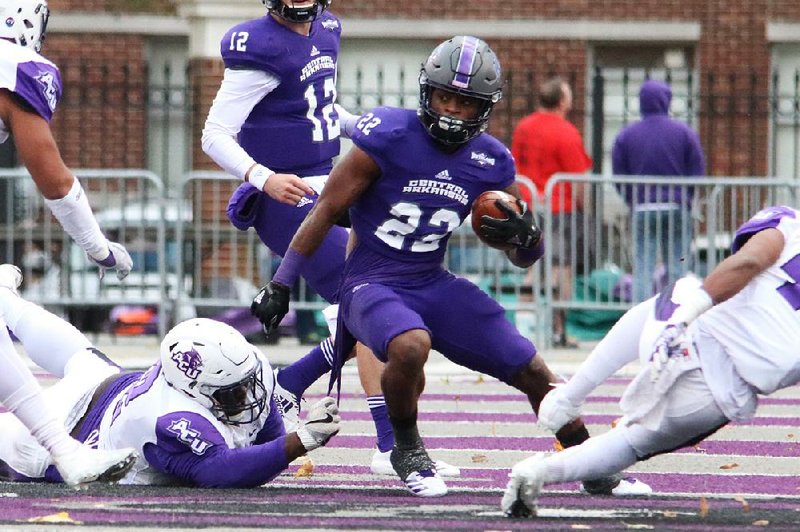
(485, 205)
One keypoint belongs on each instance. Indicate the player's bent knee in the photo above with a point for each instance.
(410, 348)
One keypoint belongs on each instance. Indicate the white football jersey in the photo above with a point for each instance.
(150, 406)
(759, 327)
(31, 77)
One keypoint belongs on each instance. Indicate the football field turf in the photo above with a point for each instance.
(747, 476)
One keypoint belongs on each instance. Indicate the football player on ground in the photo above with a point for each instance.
(708, 350)
(202, 415)
(30, 87)
(275, 124)
(408, 183)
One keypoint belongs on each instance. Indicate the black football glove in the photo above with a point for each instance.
(517, 229)
(270, 305)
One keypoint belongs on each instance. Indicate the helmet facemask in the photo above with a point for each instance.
(213, 364)
(464, 66)
(294, 14)
(239, 403)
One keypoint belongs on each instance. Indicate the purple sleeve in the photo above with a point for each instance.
(768, 218)
(619, 166)
(250, 45)
(191, 449)
(695, 161)
(39, 85)
(273, 427)
(385, 132)
(508, 170)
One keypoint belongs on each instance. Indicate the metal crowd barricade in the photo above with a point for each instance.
(226, 265)
(491, 270)
(591, 252)
(128, 205)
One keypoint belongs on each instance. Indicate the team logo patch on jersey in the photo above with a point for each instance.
(185, 433)
(314, 50)
(330, 24)
(188, 361)
(482, 158)
(303, 201)
(48, 83)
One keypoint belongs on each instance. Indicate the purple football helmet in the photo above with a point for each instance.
(462, 65)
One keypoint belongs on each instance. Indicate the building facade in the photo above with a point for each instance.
(141, 74)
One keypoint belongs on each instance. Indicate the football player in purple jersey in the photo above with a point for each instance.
(408, 182)
(276, 125)
(30, 87)
(202, 415)
(708, 349)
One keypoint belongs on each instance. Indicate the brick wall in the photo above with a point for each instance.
(205, 77)
(114, 6)
(732, 47)
(101, 119)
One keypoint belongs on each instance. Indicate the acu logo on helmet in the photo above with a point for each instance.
(187, 360)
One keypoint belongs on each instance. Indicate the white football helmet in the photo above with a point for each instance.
(212, 363)
(24, 22)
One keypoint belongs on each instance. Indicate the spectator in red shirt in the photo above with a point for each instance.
(546, 143)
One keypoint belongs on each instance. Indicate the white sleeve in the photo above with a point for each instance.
(238, 93)
(77, 219)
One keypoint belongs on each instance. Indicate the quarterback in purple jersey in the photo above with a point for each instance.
(708, 350)
(409, 181)
(202, 415)
(30, 88)
(275, 124)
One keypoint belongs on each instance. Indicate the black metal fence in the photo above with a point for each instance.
(120, 117)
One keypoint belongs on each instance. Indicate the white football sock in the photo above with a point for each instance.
(618, 348)
(597, 457)
(22, 395)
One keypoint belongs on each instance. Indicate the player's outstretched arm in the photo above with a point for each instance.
(63, 193)
(725, 281)
(348, 180)
(735, 272)
(239, 92)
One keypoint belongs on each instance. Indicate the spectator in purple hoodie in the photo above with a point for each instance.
(657, 145)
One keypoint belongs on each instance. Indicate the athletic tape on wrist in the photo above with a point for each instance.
(259, 175)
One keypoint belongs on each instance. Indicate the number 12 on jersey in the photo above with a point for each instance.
(331, 129)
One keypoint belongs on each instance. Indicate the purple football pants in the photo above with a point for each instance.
(276, 224)
(466, 325)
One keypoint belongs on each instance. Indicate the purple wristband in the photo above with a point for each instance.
(290, 268)
(531, 254)
(109, 261)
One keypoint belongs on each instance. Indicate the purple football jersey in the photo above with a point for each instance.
(30, 76)
(424, 192)
(295, 128)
